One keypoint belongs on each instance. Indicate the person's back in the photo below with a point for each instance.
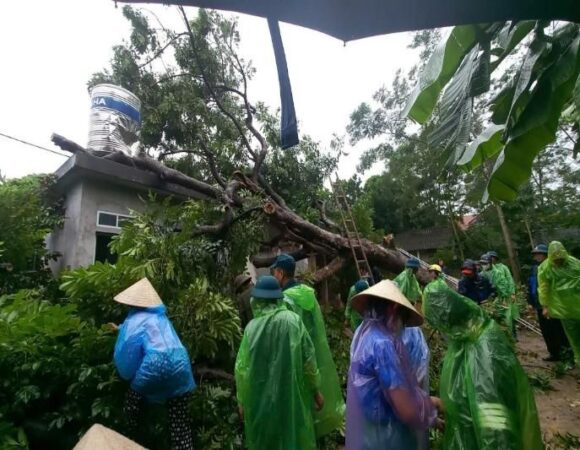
(476, 288)
(277, 377)
(149, 353)
(304, 303)
(488, 401)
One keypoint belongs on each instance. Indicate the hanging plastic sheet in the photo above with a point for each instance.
(288, 122)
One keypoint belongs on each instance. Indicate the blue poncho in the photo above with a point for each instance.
(149, 355)
(380, 363)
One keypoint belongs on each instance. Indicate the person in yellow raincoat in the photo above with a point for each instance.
(277, 377)
(559, 292)
(302, 300)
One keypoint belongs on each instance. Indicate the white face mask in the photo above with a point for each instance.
(485, 266)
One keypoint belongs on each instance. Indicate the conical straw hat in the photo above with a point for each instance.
(102, 438)
(388, 291)
(141, 294)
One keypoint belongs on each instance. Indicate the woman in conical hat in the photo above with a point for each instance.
(385, 403)
(149, 355)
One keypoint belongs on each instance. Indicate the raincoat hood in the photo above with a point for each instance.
(452, 314)
(557, 251)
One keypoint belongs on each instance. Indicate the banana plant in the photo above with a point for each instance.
(525, 114)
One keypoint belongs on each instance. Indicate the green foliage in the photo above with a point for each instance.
(29, 213)
(218, 425)
(190, 274)
(208, 321)
(526, 113)
(442, 65)
(56, 371)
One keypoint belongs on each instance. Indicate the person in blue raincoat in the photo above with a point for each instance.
(150, 356)
(386, 406)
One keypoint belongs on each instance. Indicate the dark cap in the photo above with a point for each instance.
(540, 248)
(413, 263)
(468, 264)
(267, 287)
(361, 285)
(492, 254)
(285, 262)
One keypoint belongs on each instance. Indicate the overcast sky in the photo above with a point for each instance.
(51, 48)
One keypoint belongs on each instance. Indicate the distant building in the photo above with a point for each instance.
(425, 243)
(99, 195)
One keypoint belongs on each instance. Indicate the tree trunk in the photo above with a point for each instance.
(529, 230)
(456, 237)
(508, 244)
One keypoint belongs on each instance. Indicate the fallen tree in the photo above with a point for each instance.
(223, 134)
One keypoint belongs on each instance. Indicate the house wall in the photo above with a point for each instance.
(77, 239)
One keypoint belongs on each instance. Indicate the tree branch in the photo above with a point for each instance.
(330, 269)
(261, 261)
(210, 88)
(66, 144)
(158, 53)
(211, 163)
(321, 206)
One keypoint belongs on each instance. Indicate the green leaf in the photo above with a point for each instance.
(576, 96)
(455, 117)
(486, 145)
(439, 70)
(537, 125)
(509, 37)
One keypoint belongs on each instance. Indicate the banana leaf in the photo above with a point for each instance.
(537, 125)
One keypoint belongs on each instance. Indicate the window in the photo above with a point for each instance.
(102, 250)
(111, 220)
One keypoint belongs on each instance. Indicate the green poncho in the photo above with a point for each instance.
(276, 379)
(510, 285)
(307, 307)
(559, 291)
(501, 278)
(487, 397)
(351, 314)
(409, 285)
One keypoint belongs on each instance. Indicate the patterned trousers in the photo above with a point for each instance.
(179, 423)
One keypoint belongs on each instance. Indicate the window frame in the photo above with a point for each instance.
(117, 217)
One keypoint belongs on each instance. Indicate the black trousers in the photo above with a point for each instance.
(179, 423)
(553, 333)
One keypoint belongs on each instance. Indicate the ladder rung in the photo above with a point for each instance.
(362, 261)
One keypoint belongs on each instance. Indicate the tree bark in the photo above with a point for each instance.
(508, 244)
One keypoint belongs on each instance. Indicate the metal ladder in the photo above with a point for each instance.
(350, 230)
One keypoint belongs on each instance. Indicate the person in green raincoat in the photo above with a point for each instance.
(437, 279)
(559, 292)
(407, 281)
(302, 300)
(277, 377)
(501, 267)
(488, 401)
(351, 315)
(500, 277)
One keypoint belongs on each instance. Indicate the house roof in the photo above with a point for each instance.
(429, 239)
(350, 19)
(83, 166)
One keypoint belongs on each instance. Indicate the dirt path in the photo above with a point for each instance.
(559, 401)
